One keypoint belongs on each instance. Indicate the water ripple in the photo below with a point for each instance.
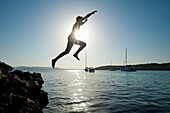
(107, 92)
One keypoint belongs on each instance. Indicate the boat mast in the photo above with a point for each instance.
(126, 56)
(85, 59)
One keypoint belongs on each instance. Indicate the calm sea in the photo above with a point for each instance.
(107, 91)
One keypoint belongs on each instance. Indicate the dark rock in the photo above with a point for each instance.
(20, 92)
(40, 97)
(5, 68)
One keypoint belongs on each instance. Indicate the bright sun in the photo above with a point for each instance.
(82, 34)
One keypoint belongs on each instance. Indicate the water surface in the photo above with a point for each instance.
(107, 91)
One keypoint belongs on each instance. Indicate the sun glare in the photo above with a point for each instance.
(82, 34)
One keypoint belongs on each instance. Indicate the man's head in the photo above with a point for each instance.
(79, 18)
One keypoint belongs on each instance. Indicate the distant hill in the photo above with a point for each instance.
(33, 68)
(149, 66)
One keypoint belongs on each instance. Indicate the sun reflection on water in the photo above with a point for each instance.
(78, 97)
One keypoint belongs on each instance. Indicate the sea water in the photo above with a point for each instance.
(106, 91)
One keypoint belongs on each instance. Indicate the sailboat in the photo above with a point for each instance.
(88, 69)
(127, 69)
(91, 69)
(111, 66)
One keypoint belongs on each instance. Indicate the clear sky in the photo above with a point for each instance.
(32, 32)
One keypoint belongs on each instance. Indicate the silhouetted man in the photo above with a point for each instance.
(72, 40)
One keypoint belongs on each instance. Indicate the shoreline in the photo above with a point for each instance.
(146, 67)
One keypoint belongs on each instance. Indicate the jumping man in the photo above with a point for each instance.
(72, 40)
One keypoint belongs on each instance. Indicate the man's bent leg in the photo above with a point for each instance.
(82, 45)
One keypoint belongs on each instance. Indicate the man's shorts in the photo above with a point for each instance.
(71, 41)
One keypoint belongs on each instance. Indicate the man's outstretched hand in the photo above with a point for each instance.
(94, 12)
(88, 15)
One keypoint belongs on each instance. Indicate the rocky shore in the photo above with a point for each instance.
(20, 92)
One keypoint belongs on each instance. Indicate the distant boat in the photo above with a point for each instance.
(127, 69)
(112, 69)
(91, 69)
(88, 69)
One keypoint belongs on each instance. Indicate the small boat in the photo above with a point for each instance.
(111, 66)
(127, 69)
(86, 69)
(91, 69)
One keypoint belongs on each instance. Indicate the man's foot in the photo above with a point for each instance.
(53, 62)
(76, 57)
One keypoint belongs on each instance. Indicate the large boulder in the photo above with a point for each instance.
(5, 68)
(20, 92)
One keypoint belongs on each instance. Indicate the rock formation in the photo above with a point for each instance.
(20, 92)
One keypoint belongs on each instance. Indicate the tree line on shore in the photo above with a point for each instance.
(149, 66)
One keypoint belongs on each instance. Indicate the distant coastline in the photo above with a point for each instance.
(148, 66)
(35, 68)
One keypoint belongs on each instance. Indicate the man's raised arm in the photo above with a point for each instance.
(89, 14)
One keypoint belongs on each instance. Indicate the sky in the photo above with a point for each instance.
(32, 32)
